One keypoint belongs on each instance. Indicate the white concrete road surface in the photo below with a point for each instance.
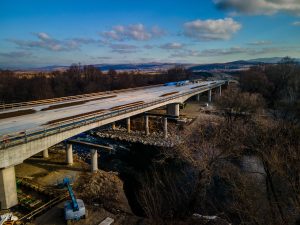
(40, 118)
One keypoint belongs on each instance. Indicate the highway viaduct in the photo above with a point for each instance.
(26, 135)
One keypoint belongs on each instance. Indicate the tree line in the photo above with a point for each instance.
(240, 165)
(278, 84)
(77, 80)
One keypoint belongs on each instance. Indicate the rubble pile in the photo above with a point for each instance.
(154, 139)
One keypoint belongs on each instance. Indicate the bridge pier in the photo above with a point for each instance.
(94, 160)
(220, 90)
(173, 109)
(128, 124)
(8, 188)
(209, 95)
(69, 154)
(46, 154)
(147, 132)
(165, 127)
(198, 97)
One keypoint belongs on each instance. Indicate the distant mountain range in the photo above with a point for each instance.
(119, 67)
(237, 65)
(270, 60)
(154, 67)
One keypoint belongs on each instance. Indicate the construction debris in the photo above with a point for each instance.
(107, 221)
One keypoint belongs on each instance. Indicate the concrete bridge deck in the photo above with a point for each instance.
(39, 119)
(26, 135)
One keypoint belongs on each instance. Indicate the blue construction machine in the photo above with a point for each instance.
(74, 209)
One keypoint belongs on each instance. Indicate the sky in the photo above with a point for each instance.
(35, 33)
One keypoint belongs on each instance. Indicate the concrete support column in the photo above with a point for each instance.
(113, 126)
(220, 91)
(147, 125)
(173, 109)
(69, 154)
(128, 124)
(165, 127)
(94, 160)
(45, 154)
(198, 97)
(8, 188)
(209, 95)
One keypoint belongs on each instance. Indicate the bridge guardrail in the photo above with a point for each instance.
(30, 135)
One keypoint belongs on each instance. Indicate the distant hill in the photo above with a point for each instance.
(230, 66)
(155, 66)
(142, 66)
(271, 60)
(237, 65)
(119, 67)
(266, 60)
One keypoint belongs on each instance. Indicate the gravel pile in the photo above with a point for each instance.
(154, 139)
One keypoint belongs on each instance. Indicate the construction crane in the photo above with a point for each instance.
(74, 208)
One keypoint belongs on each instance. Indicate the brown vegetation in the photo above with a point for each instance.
(279, 85)
(77, 80)
(236, 104)
(244, 169)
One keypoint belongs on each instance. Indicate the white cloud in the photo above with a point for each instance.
(260, 7)
(227, 51)
(173, 45)
(206, 30)
(241, 50)
(184, 53)
(260, 43)
(43, 36)
(123, 48)
(19, 54)
(157, 31)
(45, 41)
(149, 46)
(132, 32)
(296, 23)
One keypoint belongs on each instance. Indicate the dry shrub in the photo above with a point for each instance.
(215, 149)
(237, 104)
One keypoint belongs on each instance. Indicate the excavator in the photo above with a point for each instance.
(74, 209)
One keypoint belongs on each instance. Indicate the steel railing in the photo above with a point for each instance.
(13, 139)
